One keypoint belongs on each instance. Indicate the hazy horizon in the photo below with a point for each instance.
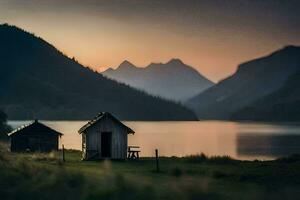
(212, 36)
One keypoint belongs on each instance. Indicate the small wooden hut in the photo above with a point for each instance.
(34, 137)
(104, 137)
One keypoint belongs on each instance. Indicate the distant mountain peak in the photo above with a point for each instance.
(291, 47)
(109, 70)
(126, 65)
(171, 80)
(126, 62)
(253, 80)
(284, 54)
(175, 61)
(288, 49)
(92, 92)
(8, 25)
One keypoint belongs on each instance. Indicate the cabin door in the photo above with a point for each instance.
(106, 144)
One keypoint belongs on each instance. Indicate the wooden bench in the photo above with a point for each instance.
(133, 153)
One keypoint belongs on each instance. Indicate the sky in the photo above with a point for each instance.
(213, 36)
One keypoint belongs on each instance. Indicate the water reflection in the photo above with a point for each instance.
(238, 140)
(269, 145)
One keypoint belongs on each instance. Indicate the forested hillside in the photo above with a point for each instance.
(38, 81)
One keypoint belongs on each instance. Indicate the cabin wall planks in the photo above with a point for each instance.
(91, 138)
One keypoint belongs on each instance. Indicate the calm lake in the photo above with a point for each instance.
(238, 140)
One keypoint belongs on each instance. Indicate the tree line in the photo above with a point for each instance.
(4, 127)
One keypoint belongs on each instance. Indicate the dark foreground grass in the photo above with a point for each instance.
(45, 176)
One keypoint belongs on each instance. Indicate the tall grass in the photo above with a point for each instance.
(200, 158)
(44, 176)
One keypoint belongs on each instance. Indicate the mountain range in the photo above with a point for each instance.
(255, 91)
(173, 80)
(281, 105)
(39, 81)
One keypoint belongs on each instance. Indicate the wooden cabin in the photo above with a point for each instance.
(104, 137)
(34, 137)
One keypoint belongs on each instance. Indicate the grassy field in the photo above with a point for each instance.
(45, 176)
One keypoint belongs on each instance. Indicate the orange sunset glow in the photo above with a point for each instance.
(149, 99)
(212, 37)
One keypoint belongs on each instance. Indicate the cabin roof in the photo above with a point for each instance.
(100, 116)
(33, 124)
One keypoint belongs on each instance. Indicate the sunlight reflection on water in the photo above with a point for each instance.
(238, 140)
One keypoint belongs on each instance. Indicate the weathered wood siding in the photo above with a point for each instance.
(92, 139)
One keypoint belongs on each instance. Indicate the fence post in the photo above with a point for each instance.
(63, 153)
(156, 158)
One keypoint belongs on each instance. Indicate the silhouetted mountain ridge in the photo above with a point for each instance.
(281, 105)
(172, 80)
(252, 80)
(126, 65)
(38, 81)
